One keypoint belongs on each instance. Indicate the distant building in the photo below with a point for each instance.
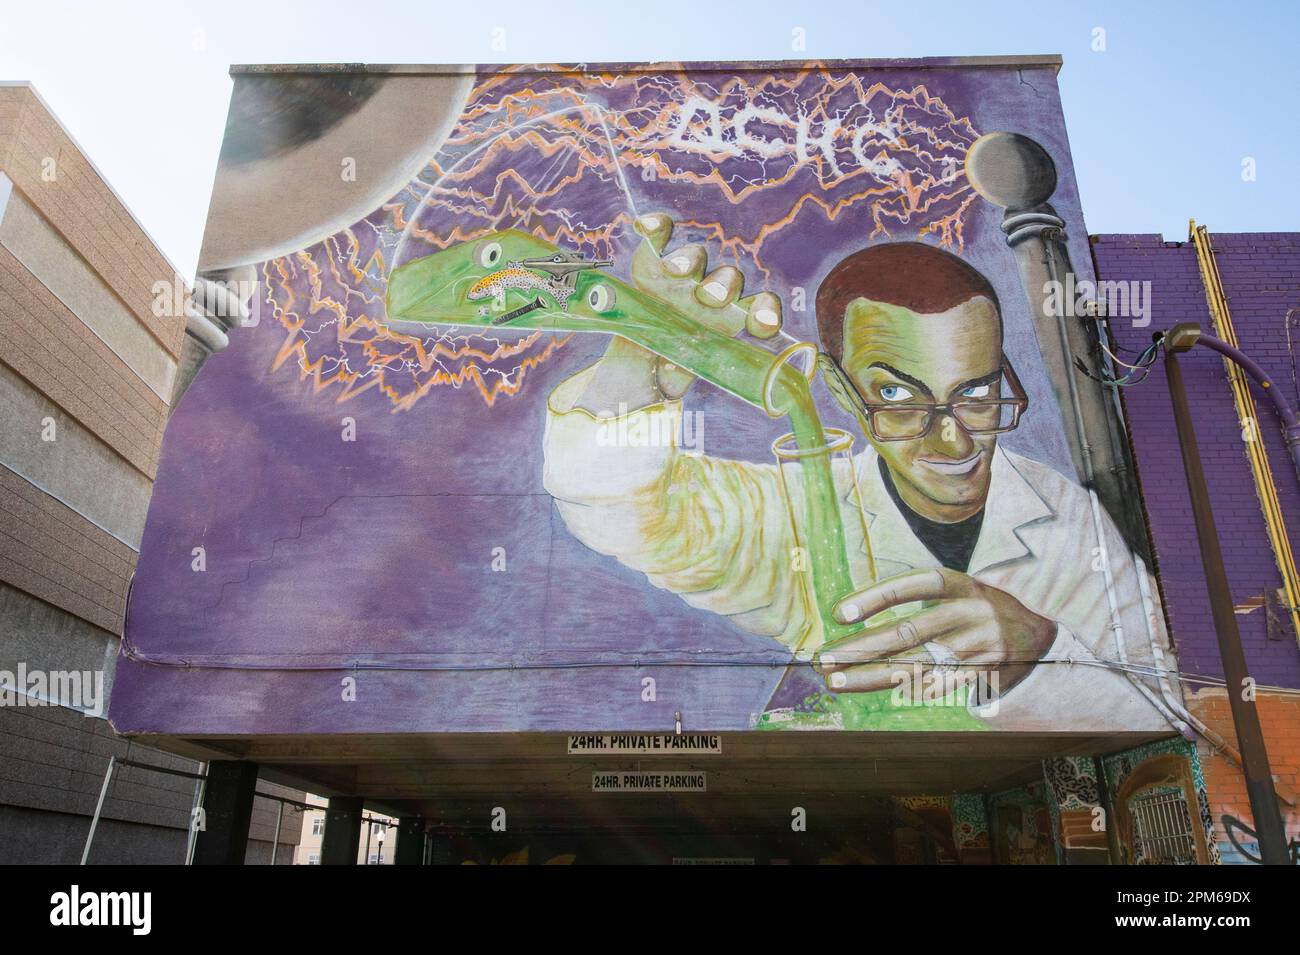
(372, 850)
(1260, 277)
(89, 356)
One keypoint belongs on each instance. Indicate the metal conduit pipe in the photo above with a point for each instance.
(1238, 365)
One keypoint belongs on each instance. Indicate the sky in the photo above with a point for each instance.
(1169, 106)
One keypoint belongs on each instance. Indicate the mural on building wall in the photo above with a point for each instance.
(711, 391)
(1023, 829)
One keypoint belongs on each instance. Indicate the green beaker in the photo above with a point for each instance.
(813, 529)
(802, 468)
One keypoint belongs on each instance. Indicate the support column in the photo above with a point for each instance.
(342, 831)
(227, 812)
(1074, 794)
(410, 841)
(1108, 804)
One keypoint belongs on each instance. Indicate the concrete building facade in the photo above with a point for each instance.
(90, 345)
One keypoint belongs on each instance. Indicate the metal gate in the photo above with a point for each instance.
(1162, 828)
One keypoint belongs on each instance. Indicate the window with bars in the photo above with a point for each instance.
(1162, 828)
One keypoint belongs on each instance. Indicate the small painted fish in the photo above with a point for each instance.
(517, 277)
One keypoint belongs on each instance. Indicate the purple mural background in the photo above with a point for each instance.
(373, 558)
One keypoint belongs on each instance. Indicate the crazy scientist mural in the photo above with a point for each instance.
(731, 394)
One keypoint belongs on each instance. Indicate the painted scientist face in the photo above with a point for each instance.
(919, 362)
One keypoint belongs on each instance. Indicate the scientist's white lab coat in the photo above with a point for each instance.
(718, 533)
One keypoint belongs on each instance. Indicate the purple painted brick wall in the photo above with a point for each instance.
(1261, 277)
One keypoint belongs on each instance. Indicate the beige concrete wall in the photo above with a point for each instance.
(58, 354)
(81, 347)
(35, 243)
(76, 467)
(82, 207)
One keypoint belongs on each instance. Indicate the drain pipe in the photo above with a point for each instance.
(1238, 365)
(1172, 699)
(99, 809)
(1117, 628)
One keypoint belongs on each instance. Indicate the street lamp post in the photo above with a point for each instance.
(1250, 736)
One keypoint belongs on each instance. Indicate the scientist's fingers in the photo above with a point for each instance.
(676, 278)
(968, 649)
(669, 274)
(868, 677)
(898, 636)
(657, 229)
(914, 585)
(762, 314)
(720, 287)
(682, 278)
(672, 380)
(685, 263)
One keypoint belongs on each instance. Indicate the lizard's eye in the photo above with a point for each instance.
(600, 298)
(488, 254)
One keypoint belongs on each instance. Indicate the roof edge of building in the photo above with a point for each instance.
(100, 173)
(1143, 239)
(1018, 61)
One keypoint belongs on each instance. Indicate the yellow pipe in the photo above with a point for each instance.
(1256, 452)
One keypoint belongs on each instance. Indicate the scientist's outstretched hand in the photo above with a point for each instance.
(970, 624)
(716, 298)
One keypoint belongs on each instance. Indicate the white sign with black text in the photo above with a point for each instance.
(644, 744)
(639, 782)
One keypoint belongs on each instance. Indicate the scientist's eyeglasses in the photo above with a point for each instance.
(907, 422)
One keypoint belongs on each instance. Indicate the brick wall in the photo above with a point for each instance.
(1261, 277)
(1224, 783)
